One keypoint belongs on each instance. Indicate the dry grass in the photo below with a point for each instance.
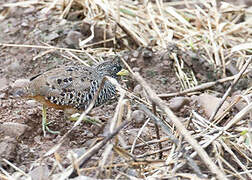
(222, 32)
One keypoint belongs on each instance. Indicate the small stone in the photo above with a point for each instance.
(147, 53)
(178, 102)
(138, 116)
(136, 69)
(209, 103)
(135, 54)
(73, 38)
(138, 89)
(8, 147)
(40, 172)
(12, 129)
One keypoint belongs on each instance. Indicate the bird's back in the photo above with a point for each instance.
(72, 87)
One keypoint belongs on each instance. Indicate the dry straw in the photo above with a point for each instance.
(198, 25)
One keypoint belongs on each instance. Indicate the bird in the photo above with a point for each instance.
(72, 88)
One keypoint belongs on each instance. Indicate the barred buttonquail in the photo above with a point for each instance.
(72, 88)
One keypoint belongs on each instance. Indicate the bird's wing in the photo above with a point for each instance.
(69, 85)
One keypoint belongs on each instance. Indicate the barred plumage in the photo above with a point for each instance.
(74, 86)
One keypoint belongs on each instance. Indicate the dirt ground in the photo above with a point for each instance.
(22, 27)
(23, 143)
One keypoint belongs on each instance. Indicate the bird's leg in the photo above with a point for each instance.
(76, 116)
(45, 124)
(86, 118)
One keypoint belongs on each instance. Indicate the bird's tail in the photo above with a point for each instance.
(20, 88)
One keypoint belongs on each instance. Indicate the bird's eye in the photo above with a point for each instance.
(114, 69)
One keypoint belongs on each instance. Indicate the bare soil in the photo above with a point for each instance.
(29, 26)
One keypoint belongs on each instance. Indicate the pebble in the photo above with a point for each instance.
(147, 53)
(138, 89)
(73, 38)
(12, 129)
(8, 147)
(208, 104)
(138, 116)
(177, 103)
(136, 69)
(40, 172)
(135, 54)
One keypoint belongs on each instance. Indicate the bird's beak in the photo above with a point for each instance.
(123, 72)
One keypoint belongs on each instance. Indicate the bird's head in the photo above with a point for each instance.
(111, 68)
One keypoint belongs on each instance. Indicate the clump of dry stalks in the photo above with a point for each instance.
(222, 31)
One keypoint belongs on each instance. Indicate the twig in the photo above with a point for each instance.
(236, 119)
(149, 143)
(157, 131)
(230, 89)
(199, 87)
(182, 151)
(160, 123)
(15, 167)
(188, 137)
(154, 152)
(138, 135)
(85, 158)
